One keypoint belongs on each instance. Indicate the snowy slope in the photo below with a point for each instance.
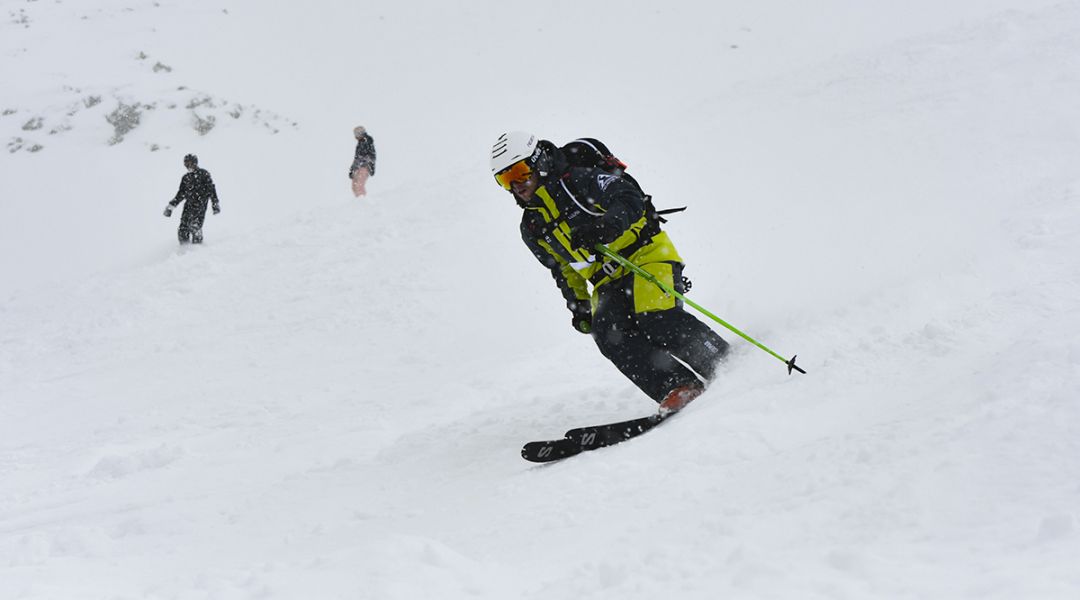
(327, 399)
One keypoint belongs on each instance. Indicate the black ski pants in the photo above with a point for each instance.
(191, 222)
(647, 347)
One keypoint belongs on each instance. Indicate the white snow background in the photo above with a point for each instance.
(327, 399)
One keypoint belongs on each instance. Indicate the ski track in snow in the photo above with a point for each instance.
(327, 399)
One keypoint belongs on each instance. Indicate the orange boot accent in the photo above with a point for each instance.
(678, 398)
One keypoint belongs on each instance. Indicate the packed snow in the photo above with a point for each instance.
(327, 399)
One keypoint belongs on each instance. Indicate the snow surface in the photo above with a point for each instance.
(328, 398)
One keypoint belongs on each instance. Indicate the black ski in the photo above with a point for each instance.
(550, 450)
(583, 439)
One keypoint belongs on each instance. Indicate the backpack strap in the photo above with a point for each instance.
(657, 214)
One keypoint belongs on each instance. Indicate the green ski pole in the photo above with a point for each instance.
(667, 288)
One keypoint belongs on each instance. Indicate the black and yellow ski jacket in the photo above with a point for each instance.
(569, 197)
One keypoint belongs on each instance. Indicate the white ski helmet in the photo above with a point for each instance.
(510, 148)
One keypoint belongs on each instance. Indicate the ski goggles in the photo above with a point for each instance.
(519, 171)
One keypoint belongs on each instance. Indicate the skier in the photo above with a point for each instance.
(363, 164)
(568, 210)
(196, 188)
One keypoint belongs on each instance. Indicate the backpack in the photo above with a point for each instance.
(592, 153)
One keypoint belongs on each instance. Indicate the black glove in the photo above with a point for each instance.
(217, 209)
(582, 319)
(168, 211)
(590, 234)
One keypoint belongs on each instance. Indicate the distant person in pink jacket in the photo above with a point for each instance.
(363, 165)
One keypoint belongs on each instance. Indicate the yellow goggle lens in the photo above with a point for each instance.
(519, 171)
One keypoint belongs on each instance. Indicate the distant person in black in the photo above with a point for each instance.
(363, 164)
(196, 188)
